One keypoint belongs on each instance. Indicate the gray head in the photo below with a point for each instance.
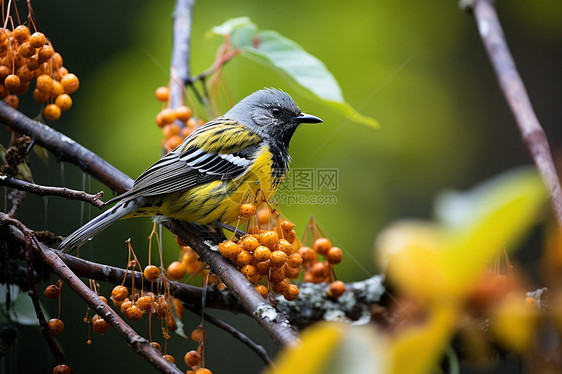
(271, 114)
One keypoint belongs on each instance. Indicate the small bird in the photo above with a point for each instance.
(220, 166)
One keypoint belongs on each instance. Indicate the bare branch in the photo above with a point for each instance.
(183, 16)
(65, 149)
(516, 95)
(67, 193)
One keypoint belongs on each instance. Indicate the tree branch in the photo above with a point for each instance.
(179, 69)
(67, 193)
(140, 344)
(516, 95)
(273, 322)
(65, 149)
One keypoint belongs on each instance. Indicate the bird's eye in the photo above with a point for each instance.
(276, 111)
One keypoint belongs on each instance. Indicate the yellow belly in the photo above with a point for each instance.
(221, 200)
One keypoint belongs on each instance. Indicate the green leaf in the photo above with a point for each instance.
(290, 59)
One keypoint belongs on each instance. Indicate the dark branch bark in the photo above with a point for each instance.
(67, 193)
(65, 149)
(516, 95)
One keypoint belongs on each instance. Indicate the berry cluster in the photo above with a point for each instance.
(266, 255)
(176, 124)
(317, 270)
(188, 263)
(25, 57)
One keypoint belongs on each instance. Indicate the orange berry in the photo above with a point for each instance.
(102, 298)
(12, 101)
(52, 291)
(229, 249)
(251, 273)
(192, 358)
(285, 246)
(21, 89)
(33, 63)
(262, 290)
(56, 60)
(183, 113)
(3, 91)
(145, 303)
(292, 272)
(45, 53)
(294, 260)
(278, 258)
(287, 226)
(21, 33)
(263, 267)
(99, 325)
(270, 239)
(25, 74)
(290, 236)
(199, 334)
(162, 94)
(44, 83)
(334, 255)
(277, 274)
(244, 258)
(12, 82)
(119, 293)
(307, 254)
(38, 39)
(64, 102)
(40, 97)
(173, 142)
(262, 253)
(192, 123)
(151, 273)
(56, 326)
(281, 286)
(337, 288)
(322, 245)
(70, 83)
(126, 304)
(58, 90)
(263, 216)
(292, 293)
(169, 358)
(176, 270)
(134, 313)
(156, 345)
(320, 270)
(62, 369)
(51, 112)
(4, 72)
(250, 243)
(170, 130)
(247, 210)
(26, 50)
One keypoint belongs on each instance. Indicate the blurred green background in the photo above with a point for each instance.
(419, 68)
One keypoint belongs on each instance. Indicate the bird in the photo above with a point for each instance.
(216, 169)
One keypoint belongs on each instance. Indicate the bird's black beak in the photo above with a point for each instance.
(307, 118)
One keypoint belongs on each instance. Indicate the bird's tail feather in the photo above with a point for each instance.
(98, 224)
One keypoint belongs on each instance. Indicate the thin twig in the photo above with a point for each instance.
(65, 149)
(140, 344)
(258, 349)
(516, 95)
(37, 189)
